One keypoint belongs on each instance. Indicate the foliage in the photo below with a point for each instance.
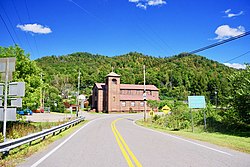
(52, 98)
(1, 138)
(218, 120)
(26, 71)
(178, 118)
(176, 77)
(19, 129)
(240, 98)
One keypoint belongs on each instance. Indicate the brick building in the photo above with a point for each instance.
(112, 96)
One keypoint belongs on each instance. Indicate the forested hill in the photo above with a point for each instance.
(177, 76)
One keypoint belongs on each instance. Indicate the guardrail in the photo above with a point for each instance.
(9, 145)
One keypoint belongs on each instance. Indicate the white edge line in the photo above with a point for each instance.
(60, 145)
(166, 134)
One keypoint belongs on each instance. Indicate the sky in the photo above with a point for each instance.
(159, 28)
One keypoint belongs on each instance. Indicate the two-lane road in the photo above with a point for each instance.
(115, 141)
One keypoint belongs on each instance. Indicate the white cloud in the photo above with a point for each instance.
(143, 4)
(140, 5)
(225, 32)
(234, 15)
(35, 28)
(133, 1)
(227, 11)
(229, 15)
(236, 65)
(156, 2)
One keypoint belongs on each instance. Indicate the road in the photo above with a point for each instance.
(116, 141)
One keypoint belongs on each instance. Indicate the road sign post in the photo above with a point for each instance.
(197, 102)
(12, 90)
(7, 67)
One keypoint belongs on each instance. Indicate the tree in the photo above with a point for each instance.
(240, 99)
(26, 71)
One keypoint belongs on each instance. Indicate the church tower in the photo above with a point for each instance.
(112, 92)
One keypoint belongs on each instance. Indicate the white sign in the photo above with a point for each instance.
(10, 116)
(12, 64)
(16, 102)
(17, 89)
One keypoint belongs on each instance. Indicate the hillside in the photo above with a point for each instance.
(177, 76)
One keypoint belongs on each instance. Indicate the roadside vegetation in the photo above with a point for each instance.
(239, 142)
(226, 125)
(22, 128)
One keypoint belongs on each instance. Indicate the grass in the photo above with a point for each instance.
(18, 155)
(229, 141)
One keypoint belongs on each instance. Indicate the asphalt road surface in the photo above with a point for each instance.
(115, 141)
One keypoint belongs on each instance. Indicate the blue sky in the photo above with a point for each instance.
(158, 28)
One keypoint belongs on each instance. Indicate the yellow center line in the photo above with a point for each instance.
(124, 147)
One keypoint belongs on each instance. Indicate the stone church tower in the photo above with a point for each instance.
(112, 92)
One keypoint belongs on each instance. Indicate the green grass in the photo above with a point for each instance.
(18, 155)
(229, 141)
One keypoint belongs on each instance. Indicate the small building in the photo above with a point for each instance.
(112, 96)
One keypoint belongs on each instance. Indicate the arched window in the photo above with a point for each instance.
(114, 81)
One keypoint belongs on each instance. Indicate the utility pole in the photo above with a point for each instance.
(5, 99)
(78, 90)
(216, 97)
(41, 92)
(144, 93)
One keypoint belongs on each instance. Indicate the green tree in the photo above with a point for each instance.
(240, 99)
(26, 71)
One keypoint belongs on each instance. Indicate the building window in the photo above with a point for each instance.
(114, 81)
(142, 104)
(132, 103)
(114, 98)
(123, 103)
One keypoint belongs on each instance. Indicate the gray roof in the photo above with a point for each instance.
(138, 87)
(130, 87)
(112, 74)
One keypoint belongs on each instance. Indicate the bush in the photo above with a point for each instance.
(1, 138)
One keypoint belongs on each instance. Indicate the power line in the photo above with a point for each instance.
(30, 22)
(238, 56)
(27, 10)
(10, 24)
(150, 40)
(86, 11)
(7, 29)
(158, 36)
(22, 23)
(220, 43)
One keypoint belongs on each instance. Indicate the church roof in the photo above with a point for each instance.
(112, 74)
(137, 87)
(100, 85)
(130, 87)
